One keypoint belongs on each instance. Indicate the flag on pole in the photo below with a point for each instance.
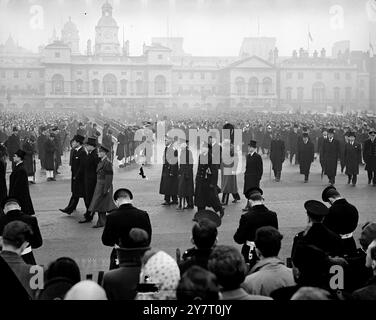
(310, 36)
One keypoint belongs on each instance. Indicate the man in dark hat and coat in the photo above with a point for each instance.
(40, 144)
(13, 144)
(305, 156)
(19, 184)
(91, 164)
(369, 156)
(316, 233)
(49, 157)
(353, 158)
(121, 221)
(331, 154)
(186, 185)
(258, 215)
(253, 170)
(293, 138)
(277, 155)
(342, 218)
(320, 145)
(29, 162)
(78, 174)
(169, 178)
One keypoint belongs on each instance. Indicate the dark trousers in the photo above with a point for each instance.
(306, 177)
(277, 174)
(371, 176)
(169, 198)
(352, 178)
(73, 202)
(332, 180)
(226, 196)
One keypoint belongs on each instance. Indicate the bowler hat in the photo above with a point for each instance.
(117, 193)
(208, 214)
(316, 208)
(20, 153)
(91, 142)
(328, 192)
(253, 192)
(253, 144)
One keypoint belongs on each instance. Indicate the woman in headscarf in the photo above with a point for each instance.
(162, 271)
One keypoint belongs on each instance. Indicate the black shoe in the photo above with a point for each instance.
(305, 181)
(52, 179)
(65, 211)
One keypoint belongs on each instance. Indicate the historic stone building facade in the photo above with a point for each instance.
(164, 76)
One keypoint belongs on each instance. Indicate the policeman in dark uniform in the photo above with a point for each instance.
(342, 218)
(331, 154)
(316, 233)
(258, 215)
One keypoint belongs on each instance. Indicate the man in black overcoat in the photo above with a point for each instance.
(78, 174)
(170, 171)
(293, 143)
(253, 170)
(305, 156)
(331, 154)
(13, 144)
(258, 215)
(277, 155)
(91, 164)
(19, 184)
(352, 158)
(320, 145)
(369, 156)
(121, 221)
(40, 144)
(186, 185)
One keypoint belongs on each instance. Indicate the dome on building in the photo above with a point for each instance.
(70, 27)
(107, 19)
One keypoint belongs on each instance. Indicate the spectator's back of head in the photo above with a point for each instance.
(310, 293)
(268, 241)
(228, 265)
(204, 234)
(368, 235)
(86, 290)
(197, 284)
(16, 234)
(64, 268)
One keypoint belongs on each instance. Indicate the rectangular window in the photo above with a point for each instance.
(57, 54)
(79, 73)
(95, 73)
(41, 73)
(361, 83)
(160, 56)
(28, 75)
(348, 76)
(300, 75)
(336, 76)
(41, 88)
(214, 90)
(15, 74)
(180, 75)
(124, 73)
(202, 76)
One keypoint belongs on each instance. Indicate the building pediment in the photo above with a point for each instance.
(251, 63)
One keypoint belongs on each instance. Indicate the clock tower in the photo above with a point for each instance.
(106, 33)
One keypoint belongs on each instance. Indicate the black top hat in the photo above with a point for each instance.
(328, 192)
(92, 142)
(316, 208)
(253, 144)
(253, 192)
(20, 153)
(117, 193)
(208, 214)
(104, 149)
(79, 139)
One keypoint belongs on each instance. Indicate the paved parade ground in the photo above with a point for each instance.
(64, 236)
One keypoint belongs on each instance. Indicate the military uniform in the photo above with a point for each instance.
(169, 179)
(185, 184)
(331, 154)
(305, 157)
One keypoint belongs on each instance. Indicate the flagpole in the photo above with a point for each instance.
(308, 39)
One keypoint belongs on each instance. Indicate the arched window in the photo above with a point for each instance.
(79, 86)
(96, 87)
(239, 86)
(109, 85)
(348, 94)
(57, 84)
(300, 94)
(160, 85)
(318, 92)
(267, 88)
(123, 87)
(253, 87)
(139, 87)
(288, 94)
(336, 94)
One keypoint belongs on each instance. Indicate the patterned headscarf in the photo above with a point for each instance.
(162, 270)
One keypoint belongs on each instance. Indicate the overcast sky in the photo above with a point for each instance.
(209, 27)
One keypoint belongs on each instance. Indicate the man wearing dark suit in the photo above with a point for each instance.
(13, 212)
(13, 144)
(78, 174)
(121, 284)
(19, 184)
(120, 222)
(320, 144)
(170, 174)
(305, 156)
(258, 215)
(369, 157)
(253, 170)
(91, 165)
(352, 158)
(331, 154)
(277, 155)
